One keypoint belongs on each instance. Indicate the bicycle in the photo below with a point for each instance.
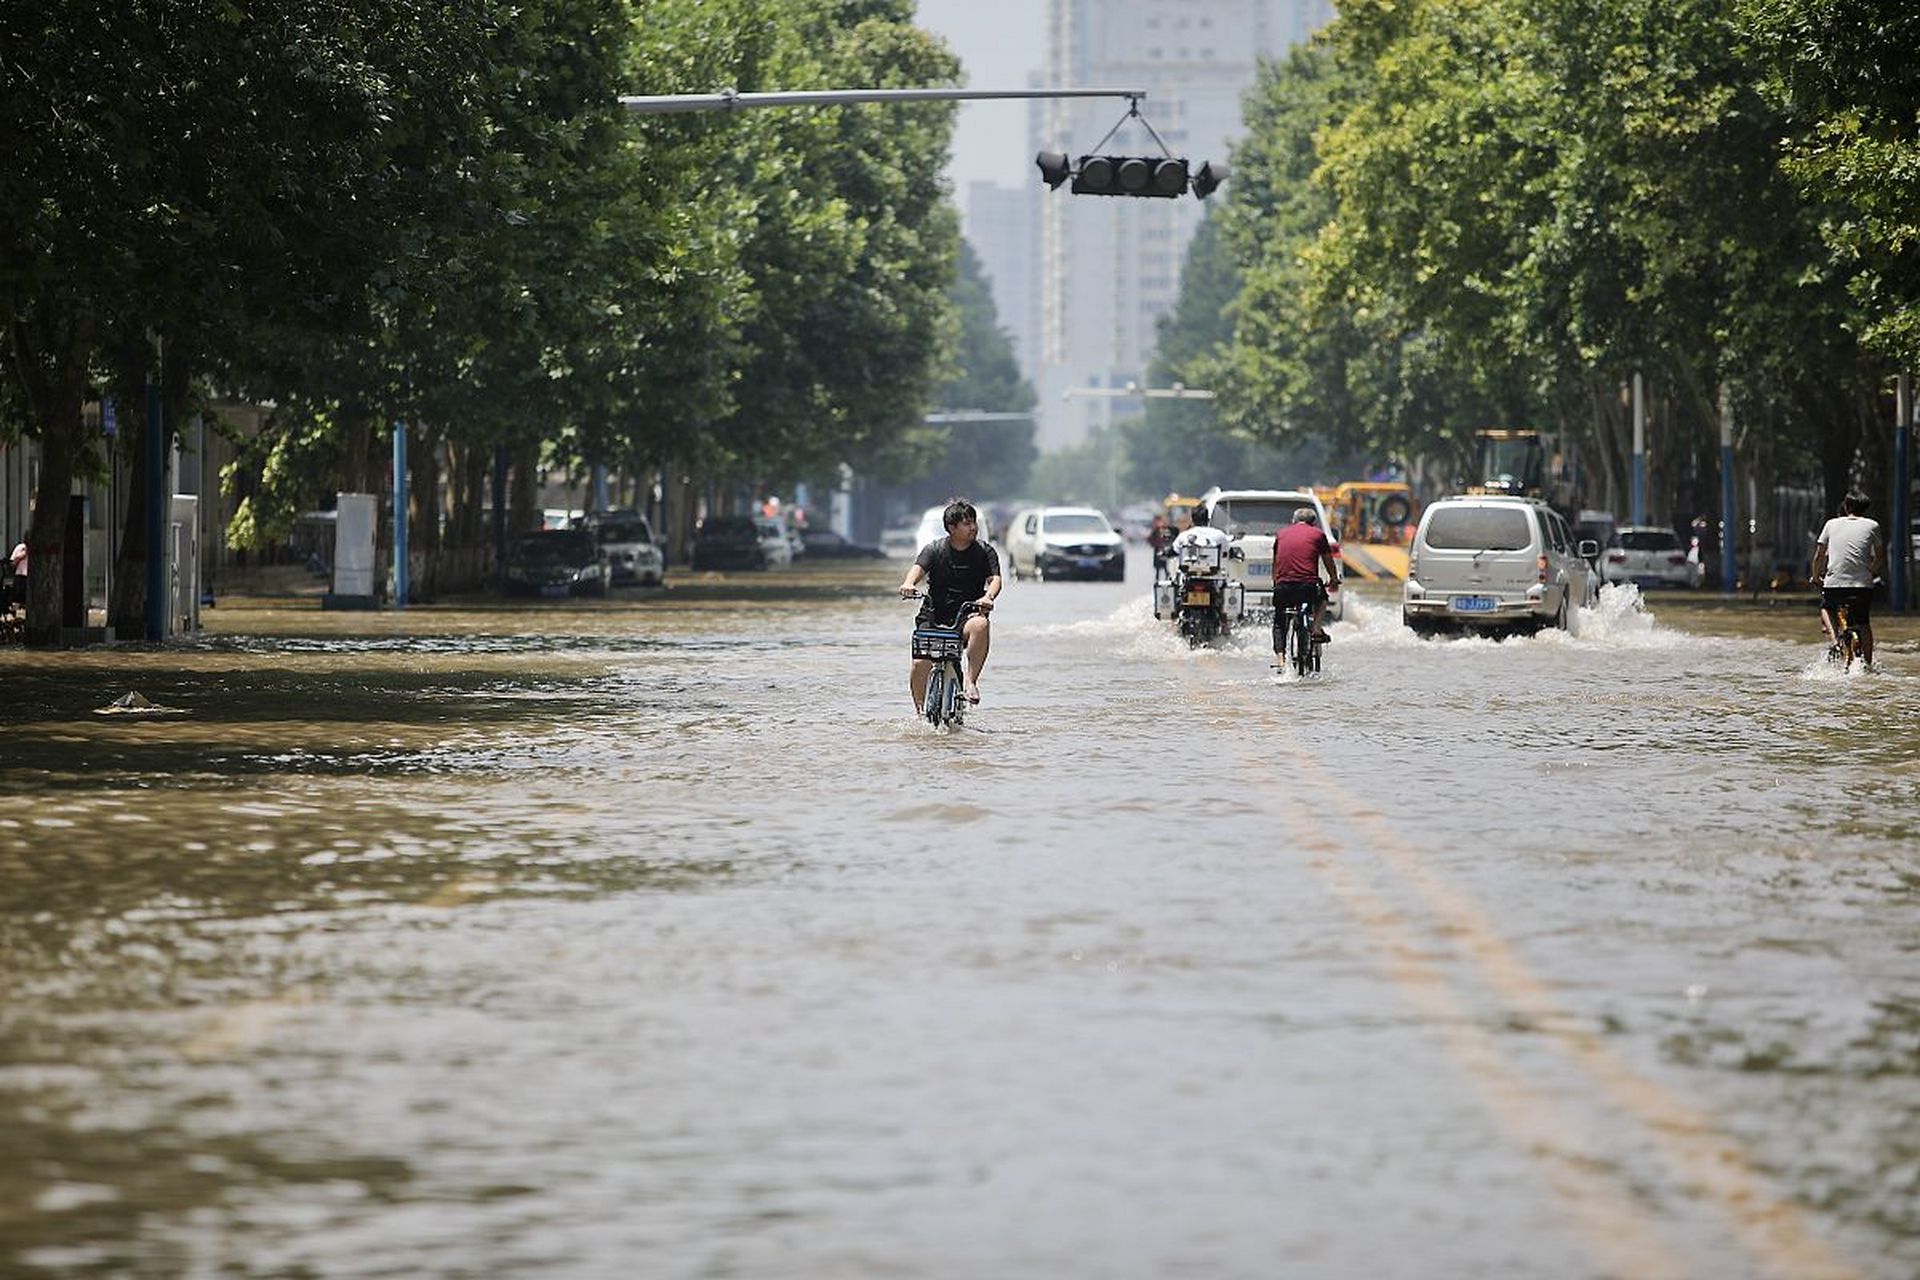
(945, 704)
(1846, 640)
(1299, 644)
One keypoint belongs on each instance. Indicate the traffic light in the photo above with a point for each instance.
(1161, 177)
(1212, 174)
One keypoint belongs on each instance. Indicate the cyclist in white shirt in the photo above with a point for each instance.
(1847, 560)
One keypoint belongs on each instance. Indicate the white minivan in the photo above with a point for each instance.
(1495, 563)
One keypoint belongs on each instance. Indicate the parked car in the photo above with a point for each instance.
(1491, 563)
(774, 540)
(825, 544)
(1648, 556)
(728, 542)
(1251, 517)
(556, 562)
(626, 540)
(1065, 542)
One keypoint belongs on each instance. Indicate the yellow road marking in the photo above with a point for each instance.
(1607, 1221)
(1773, 1230)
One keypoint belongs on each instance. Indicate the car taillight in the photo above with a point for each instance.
(1541, 563)
(1616, 557)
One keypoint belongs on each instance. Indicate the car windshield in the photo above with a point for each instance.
(1076, 522)
(1479, 529)
(625, 531)
(557, 545)
(1650, 540)
(1255, 515)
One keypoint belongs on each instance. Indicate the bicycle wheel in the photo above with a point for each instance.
(1302, 642)
(934, 708)
(956, 698)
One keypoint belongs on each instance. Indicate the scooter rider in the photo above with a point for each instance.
(1201, 533)
(958, 569)
(1299, 551)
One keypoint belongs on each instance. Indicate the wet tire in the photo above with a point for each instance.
(935, 704)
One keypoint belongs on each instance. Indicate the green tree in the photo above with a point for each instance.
(1844, 73)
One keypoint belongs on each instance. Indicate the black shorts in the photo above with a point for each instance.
(1288, 594)
(1286, 597)
(1858, 602)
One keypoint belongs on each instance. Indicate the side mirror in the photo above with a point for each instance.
(1588, 548)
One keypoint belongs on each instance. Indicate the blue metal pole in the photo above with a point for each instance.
(1639, 515)
(1901, 535)
(400, 515)
(156, 513)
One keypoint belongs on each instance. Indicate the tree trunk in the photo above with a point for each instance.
(356, 436)
(53, 381)
(524, 500)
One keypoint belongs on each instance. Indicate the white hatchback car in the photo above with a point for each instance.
(1065, 542)
(1493, 563)
(1251, 517)
(1648, 556)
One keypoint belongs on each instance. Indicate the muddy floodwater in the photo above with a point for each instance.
(656, 938)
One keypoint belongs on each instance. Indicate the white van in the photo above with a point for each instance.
(1251, 517)
(1492, 563)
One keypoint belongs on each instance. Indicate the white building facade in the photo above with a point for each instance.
(1109, 268)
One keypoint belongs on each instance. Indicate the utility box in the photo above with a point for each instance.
(183, 595)
(355, 530)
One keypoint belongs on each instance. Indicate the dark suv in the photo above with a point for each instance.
(728, 542)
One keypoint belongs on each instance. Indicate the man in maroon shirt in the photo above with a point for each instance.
(1298, 552)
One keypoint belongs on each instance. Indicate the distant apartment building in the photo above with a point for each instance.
(1003, 226)
(1109, 268)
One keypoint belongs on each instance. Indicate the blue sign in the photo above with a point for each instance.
(109, 420)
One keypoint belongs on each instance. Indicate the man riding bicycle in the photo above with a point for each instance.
(959, 570)
(1847, 558)
(1299, 550)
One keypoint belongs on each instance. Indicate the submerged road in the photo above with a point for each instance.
(657, 938)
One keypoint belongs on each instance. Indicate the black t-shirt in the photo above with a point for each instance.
(954, 577)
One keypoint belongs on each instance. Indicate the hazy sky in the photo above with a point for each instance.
(998, 42)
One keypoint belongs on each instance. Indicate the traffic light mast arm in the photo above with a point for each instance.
(733, 100)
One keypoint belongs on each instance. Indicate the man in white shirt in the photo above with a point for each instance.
(1847, 559)
(1201, 533)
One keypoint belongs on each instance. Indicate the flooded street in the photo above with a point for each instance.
(657, 938)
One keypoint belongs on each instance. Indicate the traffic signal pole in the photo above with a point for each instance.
(733, 100)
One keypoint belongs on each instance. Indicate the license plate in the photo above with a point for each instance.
(1089, 562)
(1197, 598)
(1473, 604)
(554, 589)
